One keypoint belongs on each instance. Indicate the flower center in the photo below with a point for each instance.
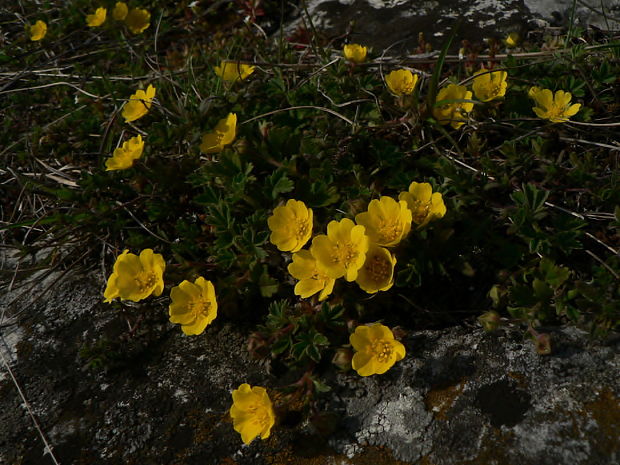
(420, 211)
(495, 89)
(260, 415)
(378, 269)
(199, 307)
(556, 113)
(343, 253)
(146, 281)
(406, 86)
(302, 229)
(389, 231)
(382, 350)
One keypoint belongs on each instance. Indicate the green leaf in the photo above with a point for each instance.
(542, 290)
(552, 274)
(268, 285)
(278, 183)
(281, 345)
(434, 81)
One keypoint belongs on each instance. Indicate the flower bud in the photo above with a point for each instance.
(542, 342)
(342, 359)
(490, 321)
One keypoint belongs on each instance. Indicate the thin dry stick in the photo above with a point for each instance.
(52, 84)
(142, 224)
(48, 447)
(300, 107)
(600, 260)
(594, 124)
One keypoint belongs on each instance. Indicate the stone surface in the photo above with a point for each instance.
(397, 23)
(465, 397)
(105, 393)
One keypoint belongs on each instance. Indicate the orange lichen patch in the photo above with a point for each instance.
(369, 456)
(605, 410)
(227, 461)
(440, 400)
(520, 378)
(426, 461)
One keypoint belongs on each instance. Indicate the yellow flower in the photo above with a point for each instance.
(123, 157)
(37, 30)
(387, 221)
(512, 40)
(120, 11)
(556, 108)
(453, 113)
(223, 134)
(401, 82)
(312, 279)
(231, 71)
(377, 274)
(193, 305)
(138, 20)
(342, 251)
(425, 205)
(489, 86)
(376, 350)
(98, 18)
(355, 53)
(135, 278)
(252, 412)
(290, 225)
(139, 104)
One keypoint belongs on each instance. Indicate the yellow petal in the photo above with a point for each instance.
(364, 364)
(196, 328)
(327, 289)
(360, 339)
(421, 191)
(307, 287)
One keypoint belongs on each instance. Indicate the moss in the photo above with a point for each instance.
(440, 400)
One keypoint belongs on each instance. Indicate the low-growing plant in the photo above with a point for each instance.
(310, 194)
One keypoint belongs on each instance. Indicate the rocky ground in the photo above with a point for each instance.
(108, 386)
(105, 393)
(395, 24)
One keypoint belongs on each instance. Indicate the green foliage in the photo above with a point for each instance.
(298, 332)
(533, 207)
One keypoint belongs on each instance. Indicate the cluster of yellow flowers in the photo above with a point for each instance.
(194, 307)
(376, 349)
(135, 278)
(454, 102)
(136, 19)
(356, 252)
(138, 105)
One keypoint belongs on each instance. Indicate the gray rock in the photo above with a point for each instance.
(461, 396)
(397, 23)
(464, 396)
